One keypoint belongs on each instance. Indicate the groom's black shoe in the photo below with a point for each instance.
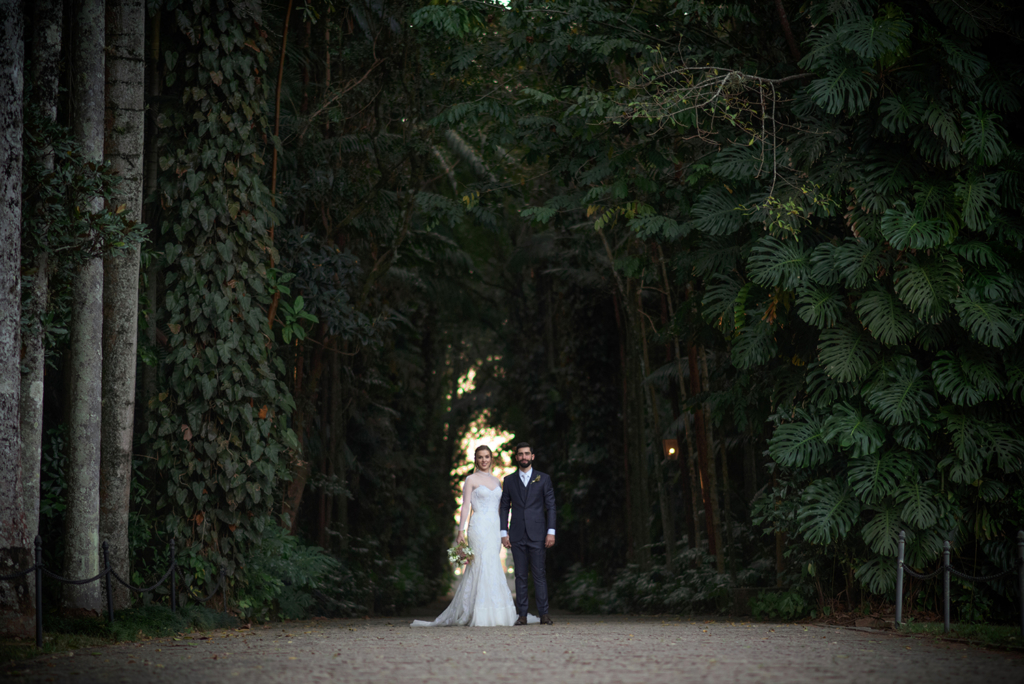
(546, 620)
(521, 620)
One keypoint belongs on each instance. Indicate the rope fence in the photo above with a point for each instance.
(946, 570)
(173, 571)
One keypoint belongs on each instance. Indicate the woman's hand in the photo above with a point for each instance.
(460, 538)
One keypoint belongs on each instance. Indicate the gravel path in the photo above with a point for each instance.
(585, 649)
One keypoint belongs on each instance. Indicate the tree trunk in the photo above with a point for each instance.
(45, 62)
(123, 142)
(716, 508)
(691, 456)
(636, 435)
(81, 545)
(725, 507)
(621, 327)
(150, 373)
(668, 527)
(749, 467)
(16, 609)
(339, 450)
(701, 443)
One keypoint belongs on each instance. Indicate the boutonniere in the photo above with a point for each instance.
(536, 479)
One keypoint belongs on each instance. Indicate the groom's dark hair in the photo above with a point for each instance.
(523, 445)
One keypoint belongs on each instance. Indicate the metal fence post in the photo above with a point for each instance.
(1020, 577)
(174, 583)
(39, 591)
(945, 586)
(106, 568)
(899, 580)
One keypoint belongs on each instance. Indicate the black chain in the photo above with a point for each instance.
(922, 577)
(17, 574)
(961, 575)
(65, 580)
(141, 589)
(982, 578)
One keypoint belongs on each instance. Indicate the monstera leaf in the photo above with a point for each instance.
(923, 547)
(716, 212)
(823, 264)
(887, 319)
(882, 532)
(928, 285)
(878, 475)
(920, 502)
(820, 306)
(976, 443)
(901, 111)
(969, 377)
(778, 263)
(878, 575)
(847, 352)
(800, 444)
(848, 428)
(828, 513)
(902, 395)
(989, 323)
(904, 229)
(754, 344)
(912, 437)
(858, 261)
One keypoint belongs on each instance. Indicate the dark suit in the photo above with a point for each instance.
(533, 514)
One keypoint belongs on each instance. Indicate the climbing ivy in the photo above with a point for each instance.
(219, 425)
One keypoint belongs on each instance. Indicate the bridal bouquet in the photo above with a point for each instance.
(460, 554)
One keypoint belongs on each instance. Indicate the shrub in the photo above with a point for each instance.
(786, 605)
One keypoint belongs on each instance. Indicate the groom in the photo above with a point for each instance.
(532, 499)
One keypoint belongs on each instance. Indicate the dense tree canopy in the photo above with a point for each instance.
(747, 275)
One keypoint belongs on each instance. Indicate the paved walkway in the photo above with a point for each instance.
(584, 649)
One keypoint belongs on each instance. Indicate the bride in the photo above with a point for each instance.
(483, 598)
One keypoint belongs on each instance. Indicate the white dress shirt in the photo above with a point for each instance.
(524, 477)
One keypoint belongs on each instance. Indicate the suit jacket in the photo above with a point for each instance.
(533, 507)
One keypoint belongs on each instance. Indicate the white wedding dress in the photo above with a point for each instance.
(483, 598)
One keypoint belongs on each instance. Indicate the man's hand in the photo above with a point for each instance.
(506, 543)
(549, 541)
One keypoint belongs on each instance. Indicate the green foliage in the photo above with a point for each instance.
(828, 513)
(633, 590)
(57, 220)
(779, 605)
(800, 444)
(218, 427)
(282, 574)
(881, 341)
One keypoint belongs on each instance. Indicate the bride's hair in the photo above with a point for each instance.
(476, 456)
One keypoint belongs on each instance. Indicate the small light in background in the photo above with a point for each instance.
(671, 448)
